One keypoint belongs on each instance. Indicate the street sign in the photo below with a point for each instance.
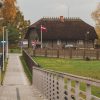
(24, 43)
(3, 41)
(33, 43)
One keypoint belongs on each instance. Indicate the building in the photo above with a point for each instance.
(62, 31)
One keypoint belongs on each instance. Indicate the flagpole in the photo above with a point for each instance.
(41, 36)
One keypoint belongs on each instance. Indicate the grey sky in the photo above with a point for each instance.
(36, 9)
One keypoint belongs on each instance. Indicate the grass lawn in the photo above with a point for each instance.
(76, 67)
(16, 50)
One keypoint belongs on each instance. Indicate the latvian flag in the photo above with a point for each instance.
(43, 28)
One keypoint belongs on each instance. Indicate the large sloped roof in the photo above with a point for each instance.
(69, 29)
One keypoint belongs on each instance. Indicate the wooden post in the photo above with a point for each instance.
(57, 53)
(45, 52)
(61, 88)
(70, 53)
(69, 89)
(97, 54)
(84, 53)
(77, 90)
(88, 92)
(34, 52)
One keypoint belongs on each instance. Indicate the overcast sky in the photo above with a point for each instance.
(35, 9)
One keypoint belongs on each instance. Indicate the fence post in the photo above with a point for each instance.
(34, 52)
(77, 90)
(84, 53)
(70, 53)
(69, 89)
(97, 54)
(88, 92)
(57, 53)
(61, 88)
(45, 52)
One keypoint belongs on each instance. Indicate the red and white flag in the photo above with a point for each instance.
(43, 28)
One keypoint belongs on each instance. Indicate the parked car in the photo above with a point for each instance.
(69, 46)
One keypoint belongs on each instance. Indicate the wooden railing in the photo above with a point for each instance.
(28, 59)
(62, 86)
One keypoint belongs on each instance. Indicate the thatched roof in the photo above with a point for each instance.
(68, 29)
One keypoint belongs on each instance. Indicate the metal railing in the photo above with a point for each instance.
(58, 86)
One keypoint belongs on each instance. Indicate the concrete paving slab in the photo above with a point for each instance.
(16, 85)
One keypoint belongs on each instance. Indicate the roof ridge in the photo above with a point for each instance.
(58, 19)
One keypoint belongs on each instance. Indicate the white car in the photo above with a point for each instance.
(69, 46)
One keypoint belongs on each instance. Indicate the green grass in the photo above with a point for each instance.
(16, 50)
(26, 69)
(77, 67)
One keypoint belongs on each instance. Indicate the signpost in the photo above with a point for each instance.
(33, 44)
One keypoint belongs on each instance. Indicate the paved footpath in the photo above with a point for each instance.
(16, 85)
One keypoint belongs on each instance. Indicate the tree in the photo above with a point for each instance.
(9, 11)
(21, 23)
(96, 17)
(13, 20)
(13, 35)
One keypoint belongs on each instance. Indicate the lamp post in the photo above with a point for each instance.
(1, 5)
(6, 43)
(20, 38)
(5, 51)
(3, 48)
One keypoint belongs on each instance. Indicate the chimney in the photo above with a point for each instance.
(62, 18)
